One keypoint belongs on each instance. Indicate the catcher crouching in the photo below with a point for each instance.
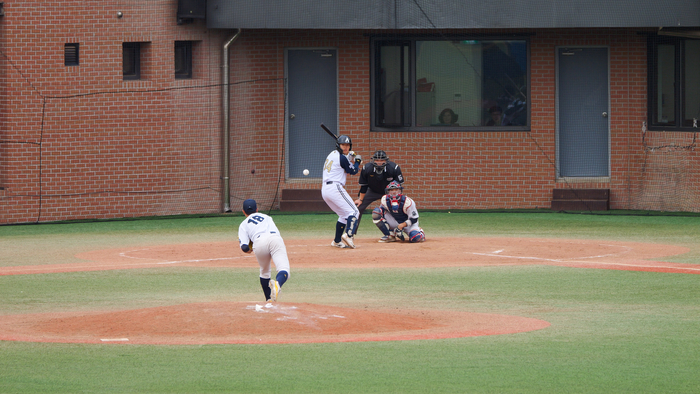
(397, 216)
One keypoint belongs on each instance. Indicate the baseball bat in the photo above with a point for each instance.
(327, 130)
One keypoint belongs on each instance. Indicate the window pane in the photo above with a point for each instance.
(130, 60)
(692, 82)
(665, 101)
(392, 85)
(183, 59)
(464, 80)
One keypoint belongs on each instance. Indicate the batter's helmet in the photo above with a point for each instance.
(343, 139)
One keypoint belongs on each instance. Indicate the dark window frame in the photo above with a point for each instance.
(679, 89)
(131, 60)
(71, 54)
(377, 42)
(183, 54)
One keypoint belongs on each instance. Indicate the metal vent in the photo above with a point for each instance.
(72, 54)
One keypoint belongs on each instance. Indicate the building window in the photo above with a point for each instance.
(183, 59)
(421, 84)
(674, 84)
(71, 54)
(131, 60)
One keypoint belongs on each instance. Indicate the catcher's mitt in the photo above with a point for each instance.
(399, 235)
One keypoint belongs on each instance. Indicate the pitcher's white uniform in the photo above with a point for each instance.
(267, 242)
(335, 171)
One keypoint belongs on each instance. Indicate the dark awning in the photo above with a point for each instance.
(449, 14)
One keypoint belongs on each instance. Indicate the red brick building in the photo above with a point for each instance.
(114, 108)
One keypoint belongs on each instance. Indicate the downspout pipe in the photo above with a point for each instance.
(225, 108)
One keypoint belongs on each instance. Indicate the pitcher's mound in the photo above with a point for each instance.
(248, 323)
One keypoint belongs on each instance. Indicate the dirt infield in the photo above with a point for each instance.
(248, 322)
(251, 323)
(436, 252)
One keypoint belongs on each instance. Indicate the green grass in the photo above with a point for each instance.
(611, 331)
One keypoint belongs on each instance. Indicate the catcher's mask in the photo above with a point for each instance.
(379, 155)
(392, 186)
(343, 139)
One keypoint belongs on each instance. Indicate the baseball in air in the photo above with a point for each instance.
(306, 172)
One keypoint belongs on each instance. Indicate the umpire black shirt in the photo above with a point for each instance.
(378, 182)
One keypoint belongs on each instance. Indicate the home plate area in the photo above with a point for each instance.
(255, 323)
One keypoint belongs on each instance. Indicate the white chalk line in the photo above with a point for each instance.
(126, 255)
(574, 261)
(92, 266)
(497, 253)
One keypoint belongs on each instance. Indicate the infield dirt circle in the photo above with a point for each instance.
(248, 322)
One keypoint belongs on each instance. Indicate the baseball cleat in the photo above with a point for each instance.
(338, 245)
(348, 240)
(387, 238)
(274, 290)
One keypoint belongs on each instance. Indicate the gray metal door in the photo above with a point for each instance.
(312, 99)
(583, 135)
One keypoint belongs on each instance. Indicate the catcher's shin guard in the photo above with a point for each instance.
(384, 227)
(377, 215)
(416, 236)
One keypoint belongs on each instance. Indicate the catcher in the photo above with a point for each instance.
(260, 229)
(397, 216)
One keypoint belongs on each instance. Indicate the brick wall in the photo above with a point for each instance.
(80, 142)
(483, 170)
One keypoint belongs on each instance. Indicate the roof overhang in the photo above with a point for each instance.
(450, 14)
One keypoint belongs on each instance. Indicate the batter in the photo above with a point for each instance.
(339, 163)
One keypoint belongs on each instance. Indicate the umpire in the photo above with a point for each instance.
(374, 178)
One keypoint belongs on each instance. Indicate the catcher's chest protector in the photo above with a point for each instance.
(396, 204)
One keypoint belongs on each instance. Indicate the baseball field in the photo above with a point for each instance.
(497, 302)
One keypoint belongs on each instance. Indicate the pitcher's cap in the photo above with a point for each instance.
(249, 206)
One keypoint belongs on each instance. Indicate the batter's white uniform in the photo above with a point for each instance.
(267, 242)
(335, 172)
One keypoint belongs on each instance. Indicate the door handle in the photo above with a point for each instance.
(605, 114)
(292, 116)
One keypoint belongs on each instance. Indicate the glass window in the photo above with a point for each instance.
(183, 59)
(691, 85)
(428, 85)
(392, 89)
(131, 60)
(674, 83)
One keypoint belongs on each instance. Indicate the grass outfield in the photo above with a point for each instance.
(611, 331)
